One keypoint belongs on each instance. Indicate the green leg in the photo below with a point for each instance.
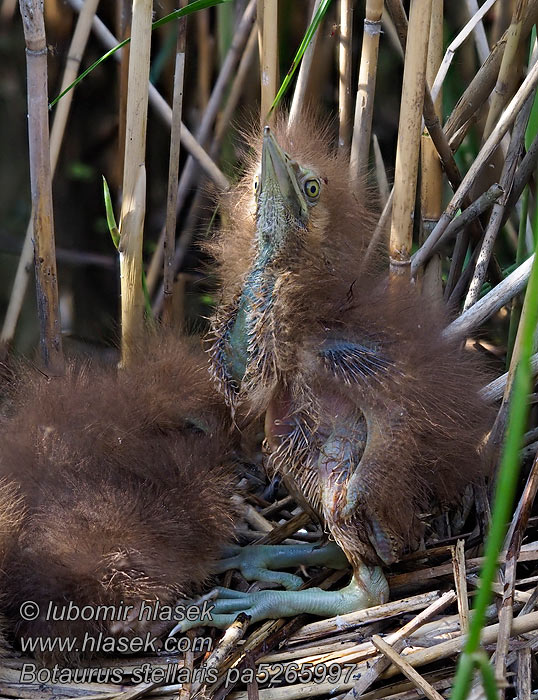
(367, 587)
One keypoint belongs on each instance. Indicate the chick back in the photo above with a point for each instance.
(126, 477)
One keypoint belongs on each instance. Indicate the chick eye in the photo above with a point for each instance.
(312, 188)
(256, 183)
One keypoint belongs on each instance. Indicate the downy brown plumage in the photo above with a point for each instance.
(126, 478)
(371, 415)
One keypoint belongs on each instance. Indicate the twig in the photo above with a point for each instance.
(456, 43)
(406, 669)
(458, 562)
(506, 70)
(74, 56)
(486, 151)
(483, 83)
(495, 220)
(203, 132)
(173, 173)
(162, 108)
(481, 41)
(396, 640)
(50, 337)
(494, 390)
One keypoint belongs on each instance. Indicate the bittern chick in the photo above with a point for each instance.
(125, 478)
(371, 415)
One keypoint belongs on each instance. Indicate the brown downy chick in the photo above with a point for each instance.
(126, 476)
(371, 415)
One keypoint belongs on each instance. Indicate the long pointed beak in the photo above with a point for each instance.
(278, 177)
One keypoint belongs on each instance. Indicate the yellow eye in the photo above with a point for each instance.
(256, 183)
(312, 187)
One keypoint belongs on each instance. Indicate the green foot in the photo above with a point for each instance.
(258, 562)
(368, 587)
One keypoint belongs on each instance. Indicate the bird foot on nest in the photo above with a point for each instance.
(367, 587)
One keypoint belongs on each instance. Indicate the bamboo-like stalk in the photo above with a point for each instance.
(74, 56)
(134, 181)
(299, 94)
(344, 74)
(173, 174)
(269, 64)
(123, 30)
(50, 336)
(506, 71)
(431, 181)
(407, 152)
(364, 103)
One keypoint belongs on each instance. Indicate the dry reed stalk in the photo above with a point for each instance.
(407, 670)
(497, 431)
(269, 62)
(8, 10)
(431, 181)
(431, 120)
(161, 107)
(380, 173)
(299, 94)
(524, 674)
(281, 532)
(344, 73)
(364, 102)
(204, 63)
(236, 90)
(203, 132)
(520, 625)
(513, 542)
(458, 563)
(503, 124)
(517, 143)
(50, 335)
(74, 56)
(480, 87)
(124, 16)
(505, 78)
(407, 152)
(169, 244)
(396, 640)
(479, 33)
(474, 21)
(134, 180)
